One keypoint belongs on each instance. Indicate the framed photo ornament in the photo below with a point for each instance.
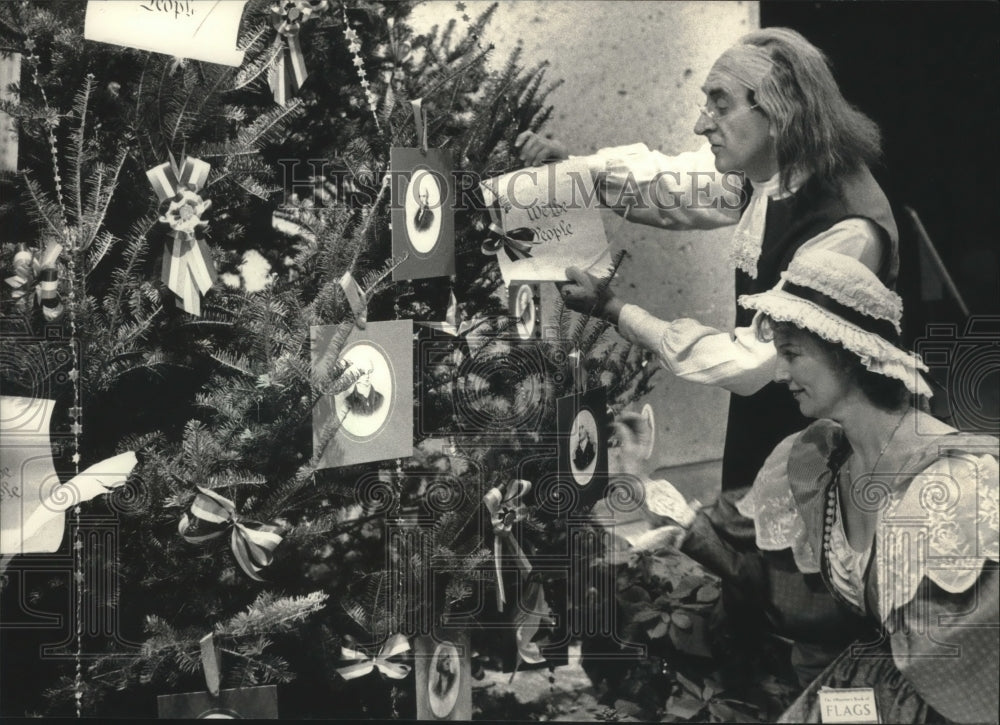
(237, 704)
(524, 305)
(423, 214)
(443, 676)
(582, 432)
(375, 410)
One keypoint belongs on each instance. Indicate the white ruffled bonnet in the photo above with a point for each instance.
(838, 298)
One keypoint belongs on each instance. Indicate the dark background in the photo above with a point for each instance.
(929, 74)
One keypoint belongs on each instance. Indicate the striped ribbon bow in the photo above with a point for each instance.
(505, 511)
(362, 664)
(289, 72)
(253, 543)
(41, 273)
(187, 268)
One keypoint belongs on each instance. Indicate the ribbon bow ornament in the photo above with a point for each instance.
(41, 273)
(288, 73)
(453, 323)
(253, 543)
(517, 243)
(533, 612)
(505, 511)
(187, 269)
(362, 664)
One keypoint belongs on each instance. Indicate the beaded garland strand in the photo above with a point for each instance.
(76, 410)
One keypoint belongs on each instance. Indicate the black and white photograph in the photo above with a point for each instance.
(583, 438)
(371, 401)
(443, 677)
(423, 214)
(582, 422)
(700, 422)
(363, 408)
(242, 703)
(524, 305)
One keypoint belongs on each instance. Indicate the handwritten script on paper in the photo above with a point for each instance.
(558, 205)
(204, 30)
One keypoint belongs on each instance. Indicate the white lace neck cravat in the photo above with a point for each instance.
(749, 234)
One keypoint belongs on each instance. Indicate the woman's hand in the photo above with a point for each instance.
(662, 538)
(584, 294)
(664, 500)
(536, 150)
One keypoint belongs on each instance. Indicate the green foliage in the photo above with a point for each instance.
(224, 401)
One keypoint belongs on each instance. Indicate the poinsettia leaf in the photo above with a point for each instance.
(664, 602)
(686, 587)
(733, 711)
(688, 684)
(681, 619)
(707, 593)
(633, 594)
(659, 630)
(645, 615)
(693, 641)
(684, 706)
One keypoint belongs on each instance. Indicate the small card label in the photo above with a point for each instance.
(852, 705)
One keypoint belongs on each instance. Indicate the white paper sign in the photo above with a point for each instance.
(557, 203)
(32, 499)
(854, 705)
(199, 29)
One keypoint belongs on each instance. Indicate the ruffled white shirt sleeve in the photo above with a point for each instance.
(737, 361)
(674, 192)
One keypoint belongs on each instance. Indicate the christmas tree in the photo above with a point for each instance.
(212, 385)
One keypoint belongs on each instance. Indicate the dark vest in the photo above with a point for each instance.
(758, 422)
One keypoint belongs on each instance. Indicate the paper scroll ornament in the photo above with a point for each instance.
(205, 30)
(547, 219)
(188, 269)
(374, 407)
(33, 500)
(423, 216)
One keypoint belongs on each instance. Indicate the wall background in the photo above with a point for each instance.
(631, 72)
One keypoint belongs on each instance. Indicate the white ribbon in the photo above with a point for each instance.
(362, 664)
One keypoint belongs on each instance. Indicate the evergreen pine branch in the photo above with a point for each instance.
(76, 153)
(270, 613)
(254, 69)
(234, 361)
(268, 126)
(375, 277)
(99, 248)
(43, 210)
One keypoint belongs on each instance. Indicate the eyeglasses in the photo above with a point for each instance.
(716, 116)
